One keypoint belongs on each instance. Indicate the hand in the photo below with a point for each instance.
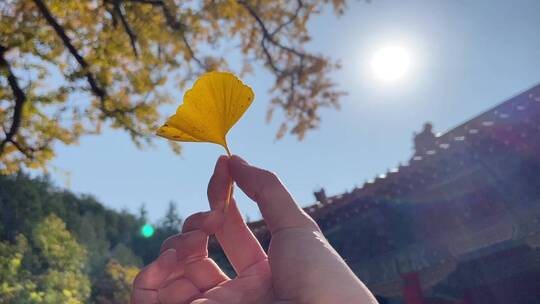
(301, 266)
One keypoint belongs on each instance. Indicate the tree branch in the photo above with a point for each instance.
(127, 28)
(266, 33)
(23, 150)
(299, 6)
(175, 25)
(20, 99)
(294, 72)
(270, 59)
(269, 37)
(299, 74)
(96, 89)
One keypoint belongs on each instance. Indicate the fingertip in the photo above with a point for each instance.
(237, 160)
(220, 180)
(222, 164)
(238, 166)
(208, 221)
(277, 205)
(168, 244)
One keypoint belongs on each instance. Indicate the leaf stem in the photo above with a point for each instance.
(229, 187)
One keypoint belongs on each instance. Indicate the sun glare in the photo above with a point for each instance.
(390, 63)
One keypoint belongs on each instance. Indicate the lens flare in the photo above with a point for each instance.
(147, 230)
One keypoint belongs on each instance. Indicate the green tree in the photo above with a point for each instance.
(26, 201)
(20, 202)
(125, 256)
(114, 286)
(16, 284)
(91, 233)
(172, 222)
(69, 66)
(63, 279)
(48, 269)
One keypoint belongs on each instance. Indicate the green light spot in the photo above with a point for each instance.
(147, 230)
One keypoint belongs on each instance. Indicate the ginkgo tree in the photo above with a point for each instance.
(68, 67)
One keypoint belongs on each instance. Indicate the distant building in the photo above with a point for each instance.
(459, 224)
(425, 140)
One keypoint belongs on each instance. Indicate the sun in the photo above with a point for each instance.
(390, 63)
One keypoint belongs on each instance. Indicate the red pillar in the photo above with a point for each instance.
(412, 290)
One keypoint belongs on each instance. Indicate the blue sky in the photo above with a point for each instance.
(466, 56)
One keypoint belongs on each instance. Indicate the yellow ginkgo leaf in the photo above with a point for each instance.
(210, 109)
(214, 104)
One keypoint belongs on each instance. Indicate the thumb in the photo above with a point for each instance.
(277, 206)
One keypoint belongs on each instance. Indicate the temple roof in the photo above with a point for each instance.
(513, 125)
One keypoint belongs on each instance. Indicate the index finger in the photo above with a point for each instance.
(239, 244)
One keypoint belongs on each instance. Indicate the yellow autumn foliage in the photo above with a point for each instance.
(68, 67)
